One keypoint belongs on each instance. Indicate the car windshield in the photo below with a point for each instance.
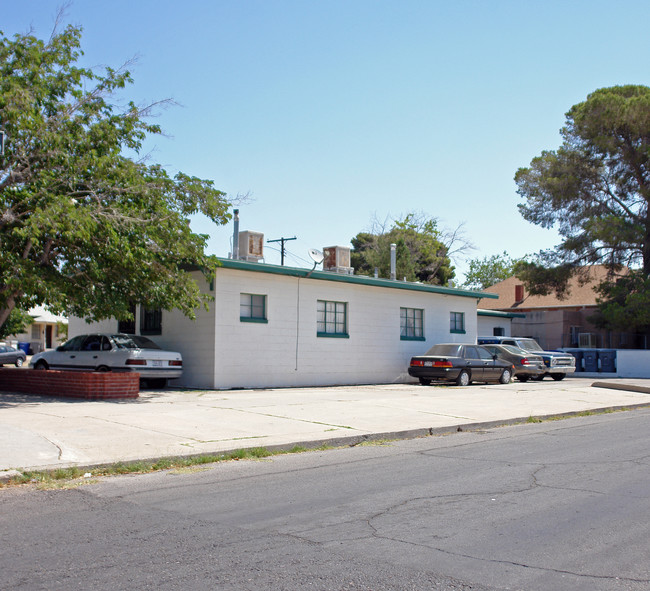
(529, 345)
(444, 350)
(144, 342)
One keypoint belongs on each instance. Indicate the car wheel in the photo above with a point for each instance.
(425, 381)
(103, 368)
(463, 378)
(558, 376)
(506, 376)
(41, 365)
(19, 362)
(523, 378)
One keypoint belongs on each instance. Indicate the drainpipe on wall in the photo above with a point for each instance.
(393, 261)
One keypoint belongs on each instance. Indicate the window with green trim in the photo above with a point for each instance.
(457, 322)
(252, 308)
(411, 324)
(332, 319)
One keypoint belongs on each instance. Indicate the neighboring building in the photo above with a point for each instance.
(46, 331)
(272, 326)
(494, 323)
(558, 323)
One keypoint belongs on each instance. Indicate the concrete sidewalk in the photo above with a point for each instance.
(41, 432)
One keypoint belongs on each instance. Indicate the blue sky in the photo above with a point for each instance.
(332, 113)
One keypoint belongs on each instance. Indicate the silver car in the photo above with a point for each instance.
(113, 352)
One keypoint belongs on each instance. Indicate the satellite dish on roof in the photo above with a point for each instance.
(316, 255)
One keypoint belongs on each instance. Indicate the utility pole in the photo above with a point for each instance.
(282, 241)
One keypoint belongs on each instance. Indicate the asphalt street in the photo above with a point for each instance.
(552, 506)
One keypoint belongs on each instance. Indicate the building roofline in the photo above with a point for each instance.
(352, 279)
(500, 314)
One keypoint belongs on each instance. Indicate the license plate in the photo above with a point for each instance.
(156, 363)
(428, 364)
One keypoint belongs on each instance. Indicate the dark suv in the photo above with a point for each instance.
(558, 363)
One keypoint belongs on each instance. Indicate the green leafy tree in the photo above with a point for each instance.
(595, 189)
(16, 323)
(624, 302)
(485, 272)
(421, 252)
(84, 228)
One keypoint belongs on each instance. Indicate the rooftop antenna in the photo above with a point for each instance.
(317, 256)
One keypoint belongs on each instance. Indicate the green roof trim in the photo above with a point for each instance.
(352, 279)
(499, 314)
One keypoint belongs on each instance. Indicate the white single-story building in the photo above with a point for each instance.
(275, 326)
(494, 323)
(46, 331)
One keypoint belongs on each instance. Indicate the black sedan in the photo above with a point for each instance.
(527, 364)
(9, 354)
(462, 364)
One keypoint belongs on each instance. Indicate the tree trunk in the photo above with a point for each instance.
(9, 306)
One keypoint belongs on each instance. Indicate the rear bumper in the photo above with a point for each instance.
(434, 373)
(530, 371)
(153, 372)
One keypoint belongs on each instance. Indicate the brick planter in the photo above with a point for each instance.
(89, 385)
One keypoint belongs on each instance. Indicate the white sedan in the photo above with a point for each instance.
(113, 352)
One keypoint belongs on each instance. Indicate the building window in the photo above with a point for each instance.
(457, 322)
(252, 308)
(332, 319)
(36, 331)
(499, 331)
(128, 326)
(150, 321)
(411, 325)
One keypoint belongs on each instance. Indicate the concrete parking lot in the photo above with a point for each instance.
(47, 432)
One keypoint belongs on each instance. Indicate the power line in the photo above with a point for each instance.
(282, 250)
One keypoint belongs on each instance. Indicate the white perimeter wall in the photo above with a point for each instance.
(286, 351)
(632, 363)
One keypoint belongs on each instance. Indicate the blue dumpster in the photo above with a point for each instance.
(24, 347)
(607, 360)
(590, 360)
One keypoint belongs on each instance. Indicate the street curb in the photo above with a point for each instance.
(354, 440)
(624, 387)
(7, 475)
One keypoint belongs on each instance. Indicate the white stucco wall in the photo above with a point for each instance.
(286, 351)
(487, 324)
(221, 351)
